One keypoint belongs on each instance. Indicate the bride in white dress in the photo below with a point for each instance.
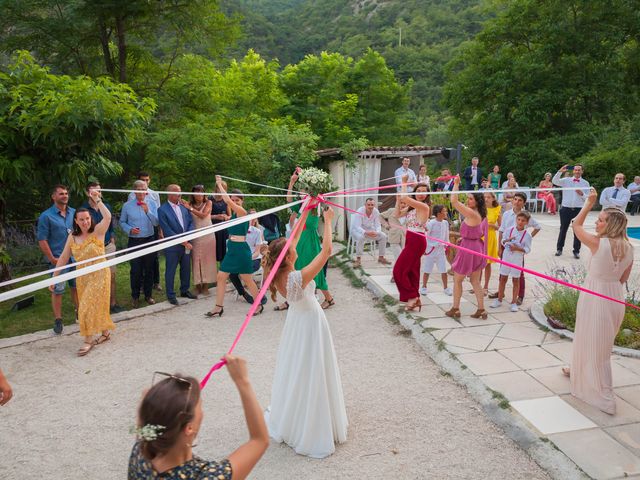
(307, 409)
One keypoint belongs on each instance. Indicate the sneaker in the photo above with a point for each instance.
(496, 304)
(423, 291)
(448, 291)
(57, 326)
(514, 307)
(558, 253)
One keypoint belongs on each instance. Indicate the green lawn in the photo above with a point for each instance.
(39, 316)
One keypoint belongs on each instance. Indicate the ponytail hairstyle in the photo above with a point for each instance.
(170, 405)
(268, 261)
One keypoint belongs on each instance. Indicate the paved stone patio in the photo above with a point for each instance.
(512, 355)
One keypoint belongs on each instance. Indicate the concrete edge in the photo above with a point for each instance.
(536, 313)
(538, 447)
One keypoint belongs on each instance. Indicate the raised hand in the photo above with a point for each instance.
(328, 214)
(564, 168)
(95, 195)
(593, 196)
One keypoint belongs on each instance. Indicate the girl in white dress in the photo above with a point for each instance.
(307, 409)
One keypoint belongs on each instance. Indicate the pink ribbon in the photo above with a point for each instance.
(370, 189)
(497, 260)
(256, 301)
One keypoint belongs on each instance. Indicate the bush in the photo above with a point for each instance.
(561, 304)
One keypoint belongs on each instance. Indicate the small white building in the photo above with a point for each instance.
(375, 167)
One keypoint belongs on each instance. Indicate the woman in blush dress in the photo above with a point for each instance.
(598, 320)
(307, 409)
(472, 231)
(203, 253)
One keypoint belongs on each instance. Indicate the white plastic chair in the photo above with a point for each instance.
(531, 203)
(351, 246)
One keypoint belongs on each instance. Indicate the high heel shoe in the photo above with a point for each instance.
(216, 314)
(453, 313)
(480, 313)
(412, 308)
(259, 310)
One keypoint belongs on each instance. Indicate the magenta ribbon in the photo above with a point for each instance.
(256, 301)
(370, 189)
(497, 260)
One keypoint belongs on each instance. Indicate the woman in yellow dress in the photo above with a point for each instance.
(87, 241)
(494, 219)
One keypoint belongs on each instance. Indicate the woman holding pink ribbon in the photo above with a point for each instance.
(406, 271)
(472, 232)
(598, 320)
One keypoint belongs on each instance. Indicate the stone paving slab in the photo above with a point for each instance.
(625, 413)
(627, 435)
(552, 415)
(517, 385)
(485, 363)
(552, 378)
(531, 357)
(629, 394)
(597, 453)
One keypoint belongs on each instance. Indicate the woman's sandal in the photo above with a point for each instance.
(280, 308)
(103, 338)
(566, 371)
(259, 310)
(480, 313)
(219, 313)
(453, 313)
(86, 349)
(327, 304)
(415, 305)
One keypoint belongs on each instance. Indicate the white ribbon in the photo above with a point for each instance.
(450, 192)
(16, 292)
(117, 190)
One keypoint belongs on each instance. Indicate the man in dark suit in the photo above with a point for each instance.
(472, 175)
(175, 218)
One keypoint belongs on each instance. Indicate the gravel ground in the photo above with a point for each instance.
(70, 416)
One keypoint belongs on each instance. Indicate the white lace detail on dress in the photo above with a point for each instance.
(295, 291)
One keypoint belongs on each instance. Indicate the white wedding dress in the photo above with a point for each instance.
(307, 409)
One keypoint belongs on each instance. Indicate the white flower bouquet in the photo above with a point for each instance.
(315, 181)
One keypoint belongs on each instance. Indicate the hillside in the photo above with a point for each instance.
(416, 37)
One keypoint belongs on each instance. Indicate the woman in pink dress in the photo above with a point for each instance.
(547, 196)
(203, 254)
(598, 320)
(472, 231)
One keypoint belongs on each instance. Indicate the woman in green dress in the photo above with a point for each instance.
(494, 178)
(238, 257)
(308, 248)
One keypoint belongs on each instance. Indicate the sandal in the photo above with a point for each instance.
(217, 313)
(453, 313)
(86, 349)
(280, 308)
(415, 305)
(103, 338)
(327, 304)
(480, 313)
(259, 311)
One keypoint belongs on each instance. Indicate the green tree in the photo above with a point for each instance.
(543, 77)
(135, 41)
(60, 129)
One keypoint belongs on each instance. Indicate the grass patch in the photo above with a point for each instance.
(502, 400)
(440, 344)
(389, 300)
(348, 272)
(39, 316)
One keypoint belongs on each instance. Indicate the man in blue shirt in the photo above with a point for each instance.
(54, 226)
(174, 219)
(109, 240)
(137, 219)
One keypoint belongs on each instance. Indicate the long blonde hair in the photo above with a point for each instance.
(269, 260)
(616, 224)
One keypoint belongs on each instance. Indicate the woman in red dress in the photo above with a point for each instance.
(406, 271)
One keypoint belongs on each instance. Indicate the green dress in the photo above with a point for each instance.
(238, 256)
(309, 247)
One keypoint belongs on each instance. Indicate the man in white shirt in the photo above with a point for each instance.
(572, 202)
(634, 190)
(405, 170)
(366, 226)
(616, 196)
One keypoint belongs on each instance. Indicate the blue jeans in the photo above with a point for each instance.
(58, 288)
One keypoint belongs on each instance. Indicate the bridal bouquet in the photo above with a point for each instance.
(314, 181)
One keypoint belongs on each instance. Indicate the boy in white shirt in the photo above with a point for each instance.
(435, 254)
(516, 242)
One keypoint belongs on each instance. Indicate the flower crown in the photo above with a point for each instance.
(148, 433)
